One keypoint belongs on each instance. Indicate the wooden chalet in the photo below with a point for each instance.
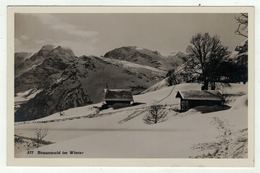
(193, 98)
(118, 96)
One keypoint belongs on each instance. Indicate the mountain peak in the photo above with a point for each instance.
(45, 50)
(47, 47)
(63, 50)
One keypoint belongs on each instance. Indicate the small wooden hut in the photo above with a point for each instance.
(118, 96)
(193, 98)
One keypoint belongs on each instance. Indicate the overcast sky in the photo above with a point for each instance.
(95, 34)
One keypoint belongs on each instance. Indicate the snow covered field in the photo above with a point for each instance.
(123, 133)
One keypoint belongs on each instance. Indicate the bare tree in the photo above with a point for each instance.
(207, 53)
(156, 114)
(154, 111)
(40, 134)
(242, 49)
(242, 27)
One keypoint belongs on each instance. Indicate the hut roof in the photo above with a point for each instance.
(118, 95)
(200, 95)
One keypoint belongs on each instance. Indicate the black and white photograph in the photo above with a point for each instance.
(131, 85)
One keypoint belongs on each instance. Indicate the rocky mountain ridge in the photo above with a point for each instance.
(43, 68)
(68, 81)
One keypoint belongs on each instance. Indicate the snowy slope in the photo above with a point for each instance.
(26, 95)
(123, 133)
(135, 68)
(157, 86)
(131, 66)
(23, 97)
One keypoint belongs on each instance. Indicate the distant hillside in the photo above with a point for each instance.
(82, 82)
(146, 57)
(176, 59)
(62, 80)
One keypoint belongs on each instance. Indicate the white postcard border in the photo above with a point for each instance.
(125, 161)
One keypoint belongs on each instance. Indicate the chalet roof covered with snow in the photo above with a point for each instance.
(200, 95)
(118, 95)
